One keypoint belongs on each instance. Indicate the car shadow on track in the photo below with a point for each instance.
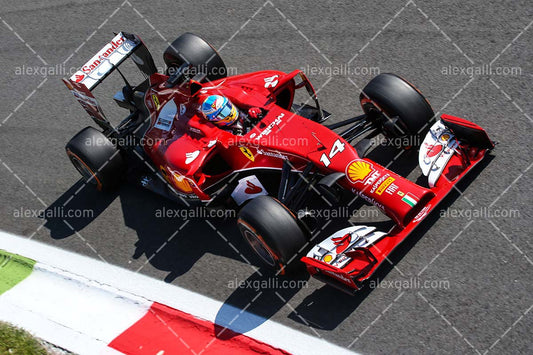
(262, 295)
(171, 243)
(66, 216)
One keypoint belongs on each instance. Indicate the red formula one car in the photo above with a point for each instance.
(278, 157)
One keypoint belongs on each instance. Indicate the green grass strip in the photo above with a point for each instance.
(13, 269)
(18, 342)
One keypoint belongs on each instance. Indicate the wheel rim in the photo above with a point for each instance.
(259, 246)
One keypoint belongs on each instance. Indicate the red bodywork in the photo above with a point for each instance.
(184, 150)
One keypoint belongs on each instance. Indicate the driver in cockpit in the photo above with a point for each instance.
(220, 111)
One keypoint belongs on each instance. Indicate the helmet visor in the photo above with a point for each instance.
(227, 115)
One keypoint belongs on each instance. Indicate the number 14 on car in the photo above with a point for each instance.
(338, 147)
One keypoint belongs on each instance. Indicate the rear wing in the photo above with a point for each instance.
(121, 47)
(92, 73)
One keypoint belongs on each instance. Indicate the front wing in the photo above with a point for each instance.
(349, 257)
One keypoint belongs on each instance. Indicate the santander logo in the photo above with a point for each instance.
(103, 55)
(79, 77)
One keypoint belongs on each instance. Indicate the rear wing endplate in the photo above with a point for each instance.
(88, 102)
(92, 73)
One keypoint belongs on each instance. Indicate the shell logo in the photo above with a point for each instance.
(358, 170)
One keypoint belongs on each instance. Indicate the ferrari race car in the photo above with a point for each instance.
(268, 170)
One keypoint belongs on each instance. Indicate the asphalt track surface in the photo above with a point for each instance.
(479, 263)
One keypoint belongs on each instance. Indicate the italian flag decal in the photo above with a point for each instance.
(410, 199)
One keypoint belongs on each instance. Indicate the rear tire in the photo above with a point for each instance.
(96, 158)
(272, 231)
(388, 96)
(192, 49)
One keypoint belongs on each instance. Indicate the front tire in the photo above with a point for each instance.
(193, 49)
(272, 231)
(96, 158)
(401, 110)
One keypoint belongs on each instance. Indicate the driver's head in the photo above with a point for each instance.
(219, 110)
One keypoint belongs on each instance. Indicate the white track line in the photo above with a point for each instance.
(115, 283)
(69, 311)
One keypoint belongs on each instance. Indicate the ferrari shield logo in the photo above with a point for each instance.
(247, 153)
(155, 99)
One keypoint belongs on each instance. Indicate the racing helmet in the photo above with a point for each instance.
(219, 110)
